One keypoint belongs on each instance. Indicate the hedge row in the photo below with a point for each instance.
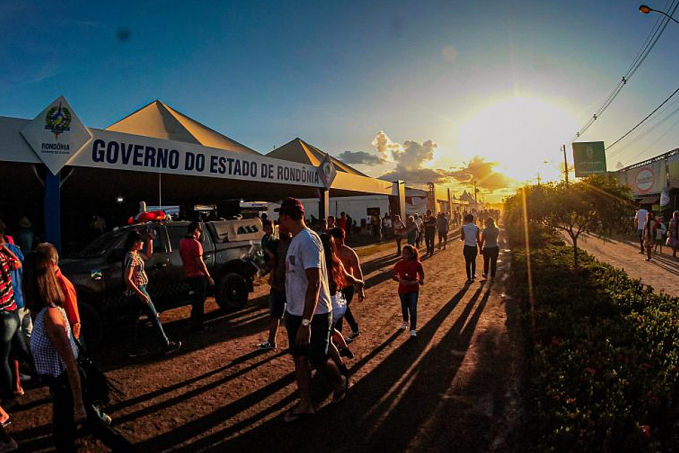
(604, 371)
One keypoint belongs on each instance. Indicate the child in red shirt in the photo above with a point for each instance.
(410, 276)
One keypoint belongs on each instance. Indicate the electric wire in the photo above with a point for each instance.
(650, 42)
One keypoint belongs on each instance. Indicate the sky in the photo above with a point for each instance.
(444, 91)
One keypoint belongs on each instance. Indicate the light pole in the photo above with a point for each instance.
(645, 9)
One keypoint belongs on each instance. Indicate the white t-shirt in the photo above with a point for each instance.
(470, 231)
(641, 218)
(305, 252)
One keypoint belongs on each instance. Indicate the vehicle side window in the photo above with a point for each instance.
(158, 242)
(176, 233)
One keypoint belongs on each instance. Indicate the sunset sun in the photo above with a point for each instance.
(521, 134)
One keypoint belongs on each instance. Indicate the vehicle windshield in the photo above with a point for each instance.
(101, 245)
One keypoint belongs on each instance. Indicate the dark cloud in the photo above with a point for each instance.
(360, 158)
(416, 176)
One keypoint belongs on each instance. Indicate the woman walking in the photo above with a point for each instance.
(139, 300)
(410, 276)
(489, 247)
(470, 236)
(338, 278)
(399, 232)
(648, 235)
(673, 233)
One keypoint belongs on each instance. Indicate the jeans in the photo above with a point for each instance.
(349, 296)
(137, 307)
(9, 325)
(429, 236)
(490, 255)
(470, 253)
(409, 308)
(199, 287)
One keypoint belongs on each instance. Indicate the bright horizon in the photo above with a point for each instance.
(422, 92)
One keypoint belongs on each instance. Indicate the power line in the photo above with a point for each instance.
(650, 42)
(644, 120)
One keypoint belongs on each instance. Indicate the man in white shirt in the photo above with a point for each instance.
(308, 317)
(640, 223)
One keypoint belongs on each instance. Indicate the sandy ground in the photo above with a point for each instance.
(623, 252)
(454, 388)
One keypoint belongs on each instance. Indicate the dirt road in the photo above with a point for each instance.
(453, 388)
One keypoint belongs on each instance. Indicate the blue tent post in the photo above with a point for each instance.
(52, 209)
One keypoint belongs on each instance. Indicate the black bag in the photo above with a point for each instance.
(97, 388)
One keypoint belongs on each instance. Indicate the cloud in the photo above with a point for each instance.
(385, 147)
(413, 154)
(360, 158)
(483, 173)
(416, 176)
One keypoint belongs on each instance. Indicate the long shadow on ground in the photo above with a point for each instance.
(386, 410)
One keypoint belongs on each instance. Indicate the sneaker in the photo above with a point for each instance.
(404, 325)
(469, 282)
(267, 345)
(137, 353)
(484, 275)
(353, 335)
(172, 347)
(11, 445)
(413, 333)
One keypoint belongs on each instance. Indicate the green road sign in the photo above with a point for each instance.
(589, 158)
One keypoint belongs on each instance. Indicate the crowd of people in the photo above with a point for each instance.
(653, 233)
(314, 278)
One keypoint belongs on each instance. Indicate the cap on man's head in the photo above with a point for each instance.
(291, 207)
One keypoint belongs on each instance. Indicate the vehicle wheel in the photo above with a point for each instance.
(233, 292)
(92, 326)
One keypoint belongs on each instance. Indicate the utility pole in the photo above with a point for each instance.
(539, 180)
(474, 182)
(565, 164)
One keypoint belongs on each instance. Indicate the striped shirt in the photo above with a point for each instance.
(7, 301)
(45, 355)
(136, 263)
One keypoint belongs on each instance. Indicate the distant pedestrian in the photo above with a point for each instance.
(386, 226)
(411, 230)
(419, 229)
(139, 301)
(331, 223)
(409, 274)
(639, 223)
(195, 271)
(673, 233)
(399, 232)
(429, 226)
(25, 236)
(342, 221)
(660, 230)
(648, 235)
(470, 236)
(442, 228)
(490, 247)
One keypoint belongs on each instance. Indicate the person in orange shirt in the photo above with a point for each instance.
(71, 297)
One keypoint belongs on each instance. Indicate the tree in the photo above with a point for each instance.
(595, 205)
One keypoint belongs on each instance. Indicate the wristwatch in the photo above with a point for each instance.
(305, 322)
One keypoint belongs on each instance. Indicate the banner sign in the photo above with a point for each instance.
(589, 158)
(56, 134)
(673, 171)
(327, 171)
(647, 179)
(116, 150)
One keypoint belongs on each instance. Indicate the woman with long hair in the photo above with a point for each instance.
(410, 276)
(338, 278)
(648, 235)
(136, 280)
(54, 349)
(490, 247)
(470, 235)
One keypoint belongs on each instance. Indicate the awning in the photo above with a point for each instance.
(651, 199)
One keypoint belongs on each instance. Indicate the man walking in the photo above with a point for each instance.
(308, 316)
(429, 232)
(640, 223)
(195, 271)
(352, 265)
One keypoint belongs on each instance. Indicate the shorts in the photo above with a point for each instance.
(277, 303)
(317, 350)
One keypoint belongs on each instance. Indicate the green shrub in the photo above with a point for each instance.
(604, 370)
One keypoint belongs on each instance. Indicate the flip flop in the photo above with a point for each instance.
(291, 416)
(339, 397)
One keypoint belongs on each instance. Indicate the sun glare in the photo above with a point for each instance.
(522, 134)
